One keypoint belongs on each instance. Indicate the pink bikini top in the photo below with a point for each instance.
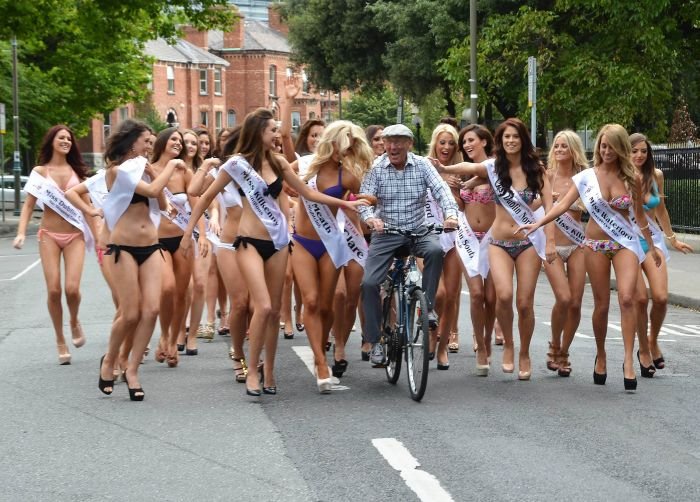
(74, 180)
(484, 196)
(621, 202)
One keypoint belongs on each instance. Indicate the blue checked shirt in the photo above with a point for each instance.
(401, 193)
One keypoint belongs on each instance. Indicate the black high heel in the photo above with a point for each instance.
(133, 392)
(659, 363)
(103, 384)
(339, 367)
(257, 392)
(599, 378)
(647, 371)
(630, 383)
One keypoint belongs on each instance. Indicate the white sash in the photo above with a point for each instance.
(433, 216)
(469, 247)
(357, 245)
(49, 195)
(657, 235)
(571, 228)
(328, 229)
(231, 197)
(264, 206)
(182, 216)
(117, 201)
(609, 220)
(97, 188)
(516, 207)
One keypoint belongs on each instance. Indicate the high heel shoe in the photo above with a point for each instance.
(339, 367)
(646, 371)
(103, 384)
(524, 375)
(160, 355)
(630, 383)
(482, 369)
(599, 378)
(63, 357)
(134, 394)
(325, 385)
(256, 392)
(564, 365)
(659, 363)
(79, 340)
(553, 355)
(508, 367)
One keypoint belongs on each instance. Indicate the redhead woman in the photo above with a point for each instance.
(262, 241)
(321, 251)
(63, 231)
(517, 178)
(131, 214)
(476, 145)
(649, 355)
(444, 148)
(566, 274)
(612, 194)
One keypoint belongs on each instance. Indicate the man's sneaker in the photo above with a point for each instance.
(432, 320)
(377, 356)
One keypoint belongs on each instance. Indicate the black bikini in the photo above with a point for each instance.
(136, 198)
(170, 244)
(139, 253)
(264, 247)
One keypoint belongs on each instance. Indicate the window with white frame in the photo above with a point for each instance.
(296, 121)
(304, 83)
(273, 80)
(123, 113)
(217, 81)
(231, 118)
(203, 82)
(170, 74)
(204, 118)
(218, 120)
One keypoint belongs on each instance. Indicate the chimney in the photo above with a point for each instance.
(195, 37)
(274, 19)
(233, 39)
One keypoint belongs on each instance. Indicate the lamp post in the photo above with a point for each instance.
(472, 60)
(417, 122)
(16, 164)
(2, 156)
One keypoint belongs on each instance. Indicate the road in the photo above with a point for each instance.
(198, 437)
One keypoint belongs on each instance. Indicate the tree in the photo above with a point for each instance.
(682, 129)
(372, 107)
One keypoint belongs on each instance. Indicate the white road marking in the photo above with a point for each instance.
(424, 484)
(686, 328)
(465, 293)
(614, 326)
(307, 357)
(608, 338)
(669, 331)
(23, 271)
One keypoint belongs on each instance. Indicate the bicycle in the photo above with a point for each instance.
(405, 325)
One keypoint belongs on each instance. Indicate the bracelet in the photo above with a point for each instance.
(644, 227)
(671, 237)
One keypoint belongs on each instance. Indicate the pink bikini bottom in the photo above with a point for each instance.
(61, 239)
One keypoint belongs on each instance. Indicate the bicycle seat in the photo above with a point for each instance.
(402, 251)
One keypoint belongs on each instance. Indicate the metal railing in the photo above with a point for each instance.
(681, 168)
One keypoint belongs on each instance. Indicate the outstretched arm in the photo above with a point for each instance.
(555, 212)
(664, 220)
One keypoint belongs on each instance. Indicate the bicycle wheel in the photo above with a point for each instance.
(390, 336)
(417, 345)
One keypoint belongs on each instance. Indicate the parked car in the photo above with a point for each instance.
(8, 190)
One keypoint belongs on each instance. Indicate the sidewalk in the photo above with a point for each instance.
(8, 228)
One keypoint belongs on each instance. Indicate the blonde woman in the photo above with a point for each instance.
(566, 274)
(612, 194)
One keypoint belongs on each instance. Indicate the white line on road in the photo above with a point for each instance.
(424, 484)
(668, 331)
(23, 271)
(686, 328)
(307, 357)
(465, 293)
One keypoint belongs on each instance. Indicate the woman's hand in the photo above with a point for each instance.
(681, 246)
(203, 243)
(658, 257)
(375, 225)
(354, 205)
(527, 229)
(550, 251)
(454, 182)
(96, 212)
(178, 164)
(371, 199)
(210, 164)
(437, 165)
(186, 244)
(291, 87)
(214, 227)
(19, 241)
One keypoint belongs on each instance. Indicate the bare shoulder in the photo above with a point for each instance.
(40, 170)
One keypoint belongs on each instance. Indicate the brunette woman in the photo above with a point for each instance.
(262, 240)
(612, 194)
(517, 178)
(374, 138)
(131, 213)
(566, 274)
(63, 231)
(649, 354)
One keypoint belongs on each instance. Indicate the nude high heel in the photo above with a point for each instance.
(64, 356)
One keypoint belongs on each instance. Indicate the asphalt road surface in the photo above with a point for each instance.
(198, 437)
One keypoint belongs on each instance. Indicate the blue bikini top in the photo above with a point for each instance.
(654, 199)
(336, 191)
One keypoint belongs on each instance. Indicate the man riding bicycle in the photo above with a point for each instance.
(400, 181)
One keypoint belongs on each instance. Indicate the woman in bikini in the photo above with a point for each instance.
(131, 214)
(443, 147)
(649, 354)
(178, 268)
(262, 241)
(341, 160)
(566, 274)
(60, 167)
(516, 165)
(612, 193)
(476, 144)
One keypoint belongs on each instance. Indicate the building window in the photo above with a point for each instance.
(171, 118)
(219, 120)
(273, 80)
(203, 82)
(170, 73)
(204, 118)
(123, 113)
(304, 83)
(296, 121)
(107, 125)
(217, 81)
(312, 115)
(231, 118)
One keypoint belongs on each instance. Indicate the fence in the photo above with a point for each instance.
(681, 168)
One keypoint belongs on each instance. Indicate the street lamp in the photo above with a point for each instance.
(16, 164)
(417, 122)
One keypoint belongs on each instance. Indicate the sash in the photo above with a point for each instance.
(469, 248)
(129, 173)
(303, 163)
(97, 188)
(328, 228)
(657, 235)
(609, 220)
(265, 207)
(433, 216)
(357, 245)
(182, 217)
(230, 196)
(516, 207)
(49, 195)
(571, 228)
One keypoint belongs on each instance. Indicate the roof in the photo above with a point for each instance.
(257, 37)
(181, 51)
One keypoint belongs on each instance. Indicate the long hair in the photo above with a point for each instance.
(218, 148)
(578, 156)
(349, 141)
(250, 143)
(370, 131)
(231, 142)
(432, 149)
(162, 141)
(619, 141)
(529, 161)
(199, 131)
(482, 133)
(301, 146)
(74, 158)
(649, 167)
(196, 160)
(120, 142)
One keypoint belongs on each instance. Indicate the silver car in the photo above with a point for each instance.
(8, 191)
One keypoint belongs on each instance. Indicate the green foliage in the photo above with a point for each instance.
(372, 107)
(682, 129)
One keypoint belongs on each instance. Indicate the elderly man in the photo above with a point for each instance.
(400, 181)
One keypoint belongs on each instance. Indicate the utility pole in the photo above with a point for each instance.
(472, 61)
(399, 110)
(16, 165)
(2, 156)
(532, 96)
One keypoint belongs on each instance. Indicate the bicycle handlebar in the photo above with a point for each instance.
(428, 229)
